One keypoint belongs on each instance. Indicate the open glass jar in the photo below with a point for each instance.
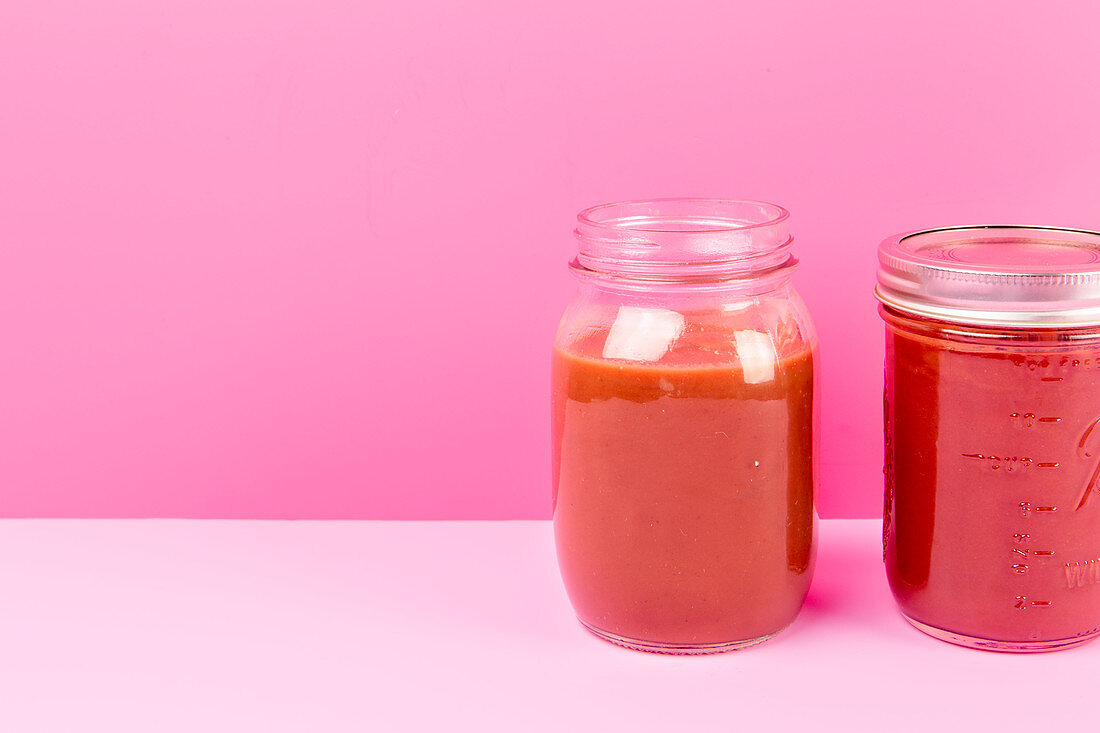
(683, 424)
(992, 407)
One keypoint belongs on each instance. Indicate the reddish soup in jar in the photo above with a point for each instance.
(683, 410)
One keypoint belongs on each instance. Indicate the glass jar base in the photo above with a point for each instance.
(656, 647)
(1019, 647)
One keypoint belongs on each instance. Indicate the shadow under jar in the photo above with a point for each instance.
(992, 407)
(683, 425)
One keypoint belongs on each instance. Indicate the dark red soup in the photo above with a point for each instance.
(993, 522)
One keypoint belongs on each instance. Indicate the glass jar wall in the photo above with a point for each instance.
(683, 423)
(992, 402)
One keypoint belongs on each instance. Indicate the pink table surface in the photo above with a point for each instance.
(167, 625)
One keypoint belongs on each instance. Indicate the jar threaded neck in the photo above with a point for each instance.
(684, 239)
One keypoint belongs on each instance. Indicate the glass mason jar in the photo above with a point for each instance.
(992, 520)
(683, 425)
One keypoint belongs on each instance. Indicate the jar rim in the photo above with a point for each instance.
(588, 217)
(684, 238)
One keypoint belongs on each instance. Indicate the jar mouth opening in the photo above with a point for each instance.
(683, 238)
(682, 215)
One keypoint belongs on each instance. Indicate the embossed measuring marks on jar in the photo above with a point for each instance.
(1027, 556)
(1030, 551)
(1032, 554)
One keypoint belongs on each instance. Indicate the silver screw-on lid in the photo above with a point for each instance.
(1003, 275)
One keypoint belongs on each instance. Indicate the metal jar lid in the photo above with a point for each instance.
(1014, 276)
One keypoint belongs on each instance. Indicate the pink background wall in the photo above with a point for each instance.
(301, 259)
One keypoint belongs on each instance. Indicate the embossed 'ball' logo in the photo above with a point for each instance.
(1087, 449)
